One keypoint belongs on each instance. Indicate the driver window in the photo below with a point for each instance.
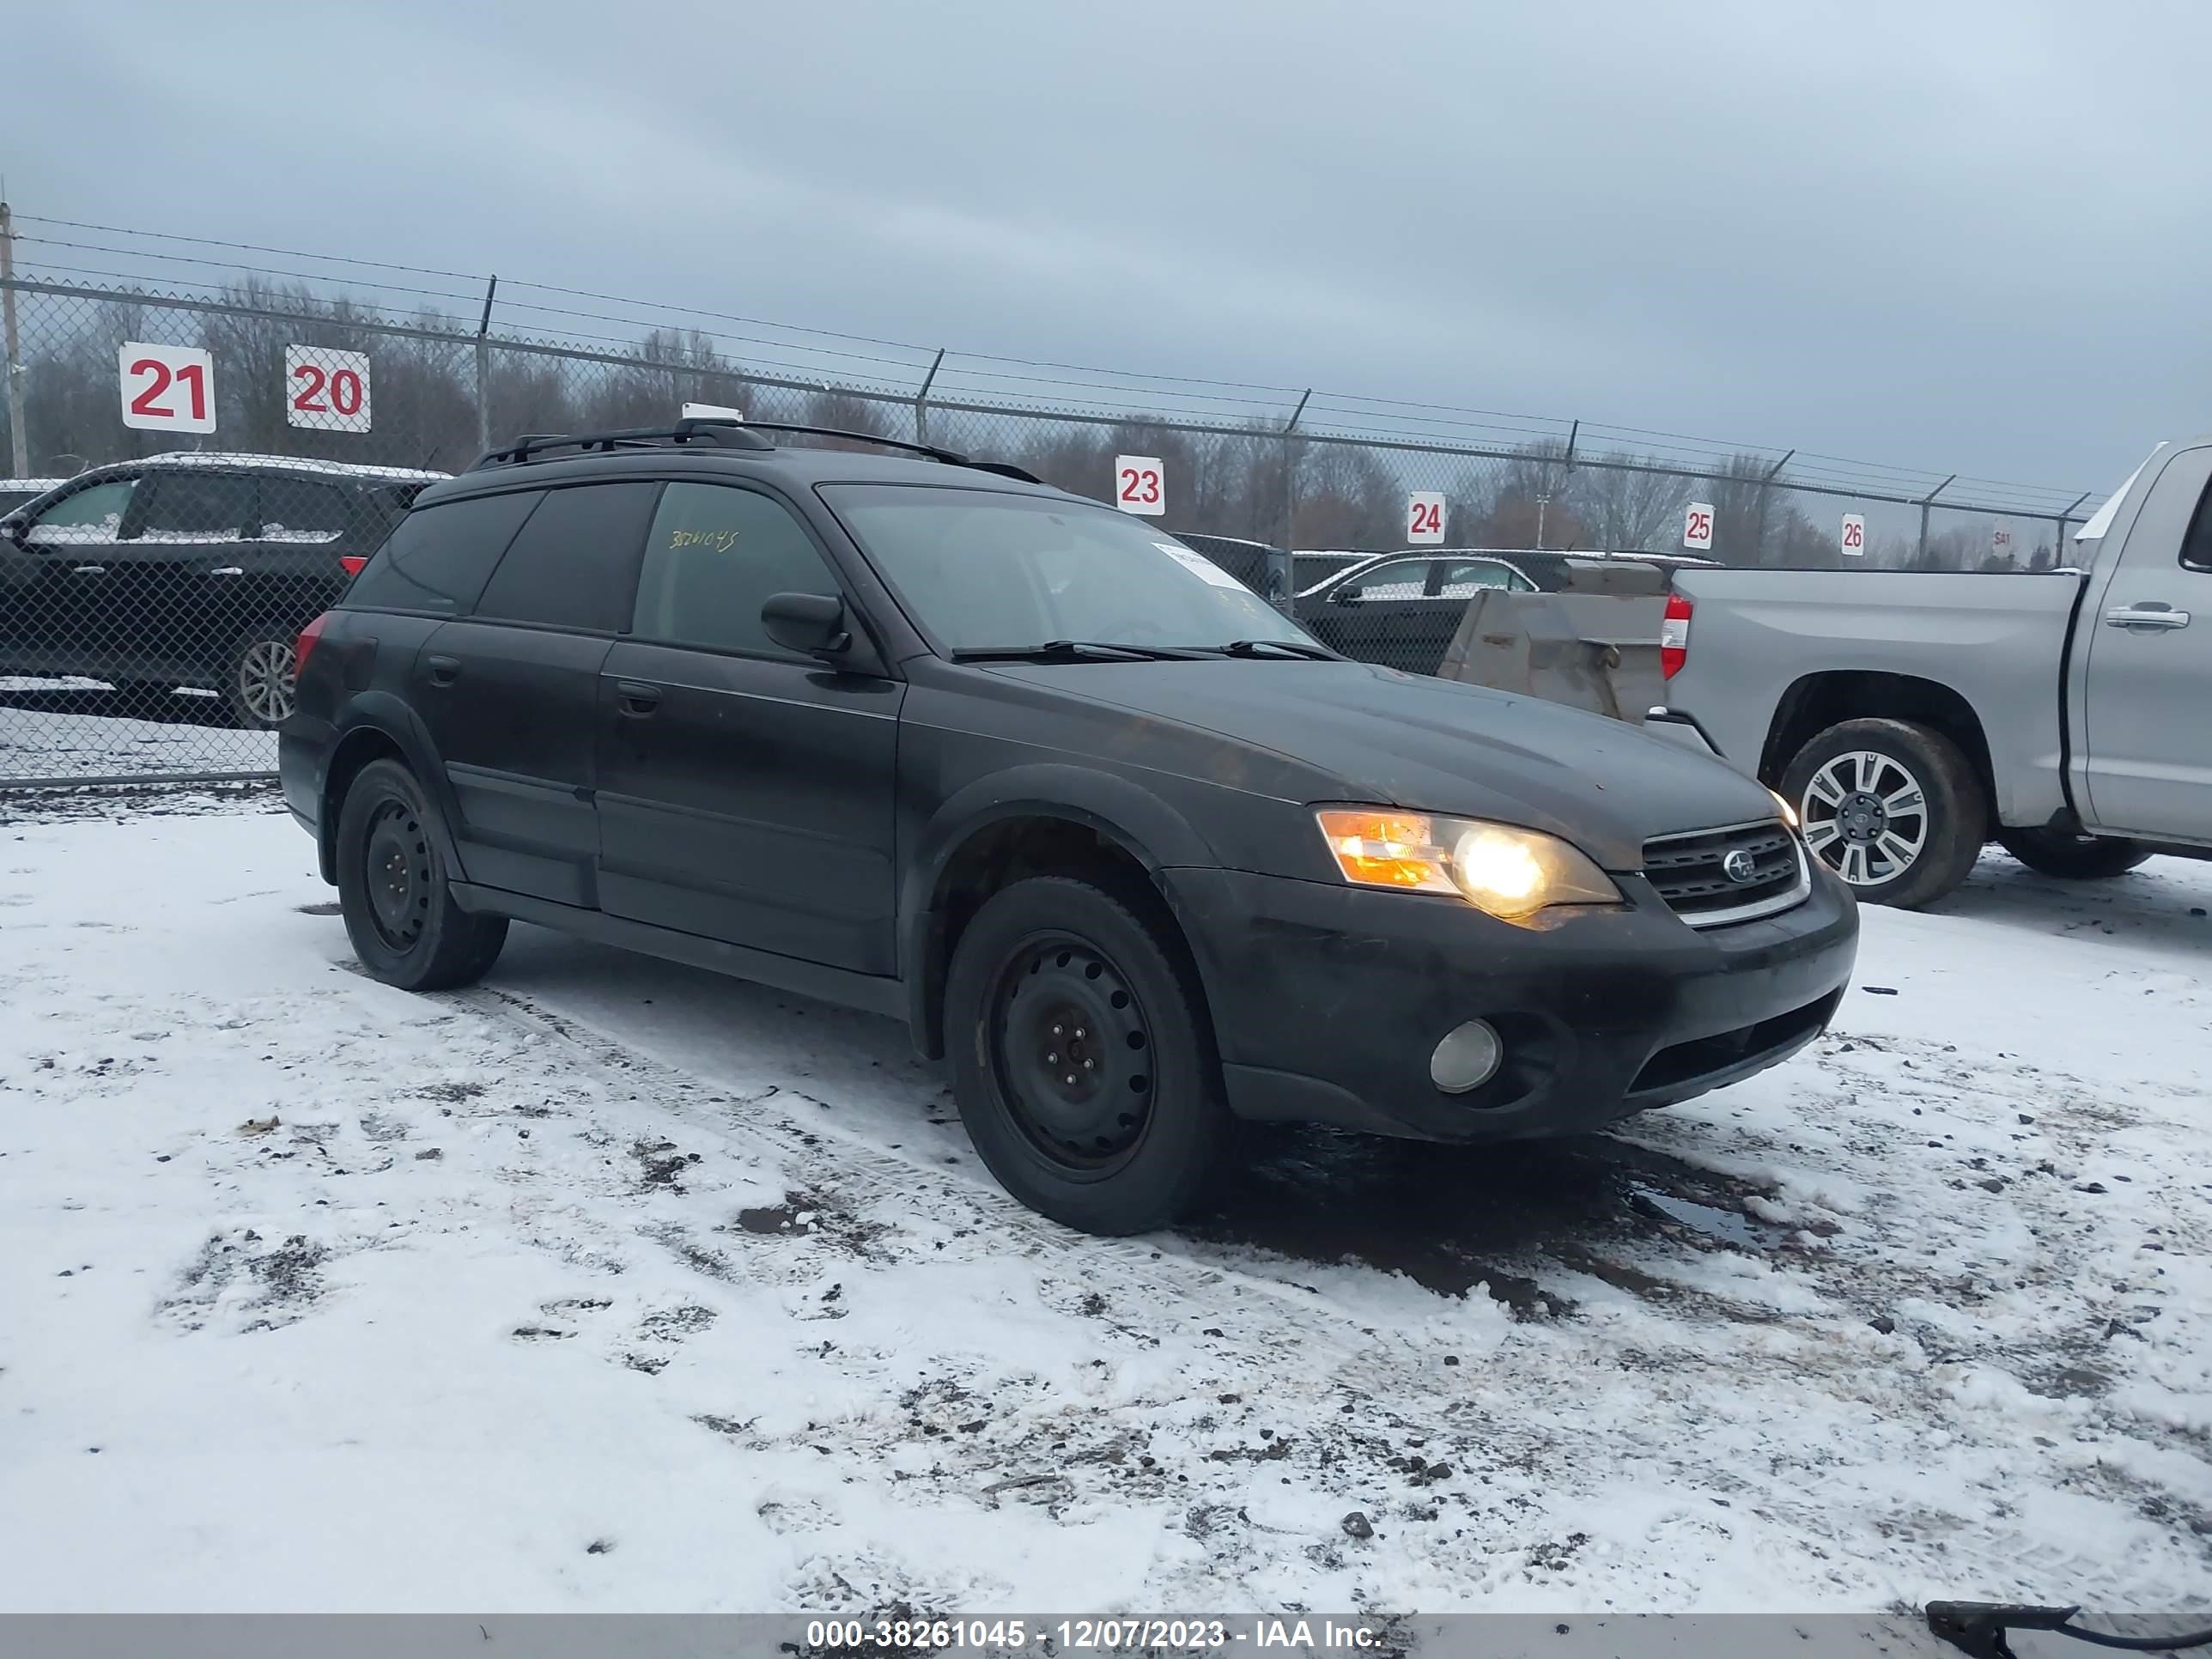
(1403, 580)
(1464, 581)
(90, 515)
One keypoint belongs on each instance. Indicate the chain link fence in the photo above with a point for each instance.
(267, 435)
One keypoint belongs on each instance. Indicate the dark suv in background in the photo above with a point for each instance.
(1117, 839)
(189, 570)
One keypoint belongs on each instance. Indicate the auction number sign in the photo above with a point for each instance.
(1425, 518)
(326, 390)
(1697, 525)
(1138, 485)
(167, 388)
(1853, 538)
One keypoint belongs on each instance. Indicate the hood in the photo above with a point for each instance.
(1436, 745)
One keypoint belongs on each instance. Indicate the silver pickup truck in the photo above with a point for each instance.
(1910, 717)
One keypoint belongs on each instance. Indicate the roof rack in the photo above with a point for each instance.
(721, 433)
(724, 433)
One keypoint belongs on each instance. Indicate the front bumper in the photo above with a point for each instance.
(1327, 1001)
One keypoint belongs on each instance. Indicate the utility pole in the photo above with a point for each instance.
(19, 441)
(1282, 568)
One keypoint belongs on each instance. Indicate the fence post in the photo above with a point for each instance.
(1282, 569)
(19, 441)
(921, 399)
(1921, 553)
(1758, 539)
(483, 369)
(2058, 549)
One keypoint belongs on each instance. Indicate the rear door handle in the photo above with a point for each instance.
(2142, 615)
(444, 670)
(90, 570)
(636, 698)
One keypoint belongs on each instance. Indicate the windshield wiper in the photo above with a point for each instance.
(1076, 651)
(1298, 649)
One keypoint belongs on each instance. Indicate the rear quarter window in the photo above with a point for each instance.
(438, 557)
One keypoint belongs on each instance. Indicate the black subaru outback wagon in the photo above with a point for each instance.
(1126, 847)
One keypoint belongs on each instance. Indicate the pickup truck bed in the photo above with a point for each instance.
(1911, 717)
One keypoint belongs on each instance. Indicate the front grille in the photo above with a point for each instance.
(1690, 873)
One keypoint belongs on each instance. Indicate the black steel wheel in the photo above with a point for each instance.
(394, 891)
(1082, 1055)
(1072, 1053)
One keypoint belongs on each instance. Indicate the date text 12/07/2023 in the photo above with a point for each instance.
(1193, 1636)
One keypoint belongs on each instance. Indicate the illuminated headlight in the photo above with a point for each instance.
(1782, 805)
(1509, 871)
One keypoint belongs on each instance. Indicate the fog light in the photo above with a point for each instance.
(1467, 1059)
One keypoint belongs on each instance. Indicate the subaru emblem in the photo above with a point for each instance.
(1739, 865)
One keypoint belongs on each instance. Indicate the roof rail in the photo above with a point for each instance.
(721, 433)
(724, 433)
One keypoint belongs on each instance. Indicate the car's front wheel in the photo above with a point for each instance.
(1892, 807)
(394, 891)
(1082, 1056)
(2076, 858)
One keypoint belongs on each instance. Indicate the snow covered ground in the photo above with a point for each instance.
(78, 728)
(615, 1286)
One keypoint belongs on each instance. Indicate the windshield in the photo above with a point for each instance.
(985, 571)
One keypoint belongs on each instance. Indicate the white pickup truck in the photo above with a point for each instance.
(1910, 717)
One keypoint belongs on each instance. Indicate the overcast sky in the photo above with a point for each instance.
(1971, 235)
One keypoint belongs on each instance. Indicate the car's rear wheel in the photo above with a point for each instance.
(1082, 1056)
(260, 683)
(394, 891)
(2075, 858)
(1892, 808)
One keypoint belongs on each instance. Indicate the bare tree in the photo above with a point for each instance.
(1626, 508)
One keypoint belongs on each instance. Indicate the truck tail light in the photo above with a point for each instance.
(308, 635)
(1675, 634)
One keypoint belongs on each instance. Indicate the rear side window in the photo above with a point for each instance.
(2197, 546)
(300, 510)
(196, 507)
(713, 558)
(573, 563)
(438, 557)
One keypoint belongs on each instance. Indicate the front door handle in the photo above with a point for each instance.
(444, 670)
(2145, 616)
(636, 699)
(90, 570)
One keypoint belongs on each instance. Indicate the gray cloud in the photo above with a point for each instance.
(1969, 236)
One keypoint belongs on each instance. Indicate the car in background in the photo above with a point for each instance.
(1401, 610)
(1548, 567)
(14, 492)
(189, 570)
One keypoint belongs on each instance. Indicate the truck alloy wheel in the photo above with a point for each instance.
(1892, 808)
(1865, 816)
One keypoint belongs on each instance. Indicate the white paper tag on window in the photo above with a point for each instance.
(1199, 564)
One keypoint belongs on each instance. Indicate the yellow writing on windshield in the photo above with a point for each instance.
(721, 540)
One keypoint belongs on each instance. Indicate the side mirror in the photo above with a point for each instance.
(812, 624)
(16, 529)
(1346, 595)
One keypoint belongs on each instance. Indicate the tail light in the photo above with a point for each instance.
(353, 563)
(1675, 634)
(308, 635)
